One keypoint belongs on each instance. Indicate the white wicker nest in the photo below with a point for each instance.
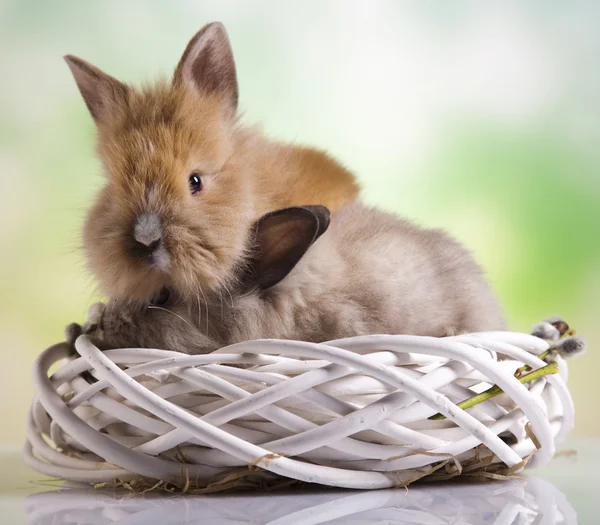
(349, 413)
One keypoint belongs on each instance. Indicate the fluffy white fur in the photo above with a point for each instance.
(370, 272)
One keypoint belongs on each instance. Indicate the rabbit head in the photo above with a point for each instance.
(195, 325)
(177, 201)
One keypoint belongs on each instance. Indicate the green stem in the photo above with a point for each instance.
(551, 368)
(542, 356)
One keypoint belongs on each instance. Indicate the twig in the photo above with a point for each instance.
(551, 368)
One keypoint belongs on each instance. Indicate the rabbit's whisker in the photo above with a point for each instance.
(154, 307)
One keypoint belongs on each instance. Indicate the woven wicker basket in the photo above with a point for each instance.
(353, 413)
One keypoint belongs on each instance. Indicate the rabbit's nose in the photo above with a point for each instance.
(148, 232)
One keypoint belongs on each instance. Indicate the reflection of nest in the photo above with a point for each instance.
(364, 412)
(529, 502)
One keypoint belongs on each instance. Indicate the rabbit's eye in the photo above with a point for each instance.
(161, 297)
(195, 183)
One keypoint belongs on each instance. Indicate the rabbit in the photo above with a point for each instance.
(315, 277)
(185, 180)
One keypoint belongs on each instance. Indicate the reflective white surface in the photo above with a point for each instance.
(564, 493)
(513, 502)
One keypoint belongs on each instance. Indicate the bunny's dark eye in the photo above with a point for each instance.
(195, 182)
(161, 297)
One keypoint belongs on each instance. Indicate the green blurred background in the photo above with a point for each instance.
(483, 118)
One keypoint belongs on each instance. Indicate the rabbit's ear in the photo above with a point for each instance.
(281, 238)
(207, 64)
(100, 91)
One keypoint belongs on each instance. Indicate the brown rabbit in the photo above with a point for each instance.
(369, 273)
(185, 180)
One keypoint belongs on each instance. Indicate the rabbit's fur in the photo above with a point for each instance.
(369, 273)
(152, 139)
